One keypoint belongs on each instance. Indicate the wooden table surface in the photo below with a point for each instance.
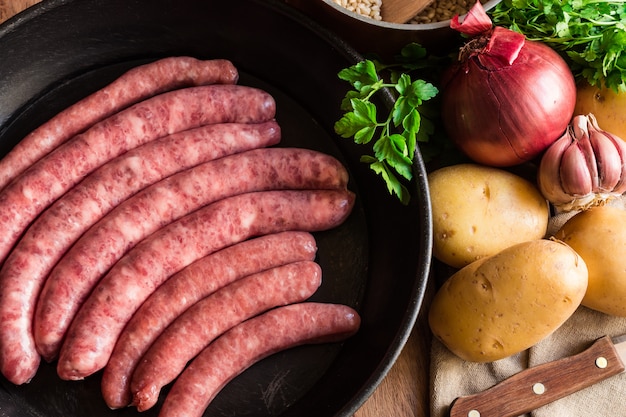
(405, 390)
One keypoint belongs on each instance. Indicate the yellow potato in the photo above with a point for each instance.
(607, 106)
(599, 237)
(506, 303)
(479, 211)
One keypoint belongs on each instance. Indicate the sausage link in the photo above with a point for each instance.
(251, 341)
(203, 322)
(97, 326)
(135, 85)
(58, 227)
(193, 283)
(26, 197)
(73, 278)
(167, 113)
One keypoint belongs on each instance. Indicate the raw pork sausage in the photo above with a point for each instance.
(212, 316)
(93, 333)
(95, 252)
(191, 284)
(68, 218)
(135, 85)
(249, 342)
(26, 197)
(59, 226)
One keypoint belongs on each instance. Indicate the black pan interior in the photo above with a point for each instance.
(378, 261)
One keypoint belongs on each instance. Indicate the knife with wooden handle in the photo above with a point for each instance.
(543, 384)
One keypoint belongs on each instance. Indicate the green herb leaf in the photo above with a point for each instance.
(396, 133)
(590, 34)
(360, 75)
(394, 186)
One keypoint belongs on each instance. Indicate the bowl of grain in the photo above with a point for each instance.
(362, 23)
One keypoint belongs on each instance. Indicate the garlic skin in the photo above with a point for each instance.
(585, 167)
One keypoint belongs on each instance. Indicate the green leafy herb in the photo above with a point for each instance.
(591, 34)
(394, 135)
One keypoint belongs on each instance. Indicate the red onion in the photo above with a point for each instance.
(508, 98)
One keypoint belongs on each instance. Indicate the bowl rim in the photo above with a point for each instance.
(400, 26)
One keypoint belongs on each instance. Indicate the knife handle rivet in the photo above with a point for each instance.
(601, 362)
(473, 413)
(539, 388)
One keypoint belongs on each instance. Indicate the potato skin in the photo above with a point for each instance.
(503, 304)
(608, 106)
(479, 211)
(599, 237)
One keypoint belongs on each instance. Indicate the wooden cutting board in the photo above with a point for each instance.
(405, 390)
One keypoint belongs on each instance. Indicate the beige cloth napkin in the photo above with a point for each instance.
(452, 377)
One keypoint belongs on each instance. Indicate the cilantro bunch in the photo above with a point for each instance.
(395, 133)
(591, 34)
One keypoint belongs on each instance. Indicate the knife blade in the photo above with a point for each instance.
(545, 383)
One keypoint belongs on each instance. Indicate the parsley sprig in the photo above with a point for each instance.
(591, 34)
(396, 133)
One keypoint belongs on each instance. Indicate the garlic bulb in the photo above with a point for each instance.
(584, 167)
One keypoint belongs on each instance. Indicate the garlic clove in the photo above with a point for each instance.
(620, 145)
(549, 178)
(608, 161)
(582, 137)
(576, 175)
(619, 167)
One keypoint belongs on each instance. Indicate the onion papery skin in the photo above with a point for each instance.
(504, 115)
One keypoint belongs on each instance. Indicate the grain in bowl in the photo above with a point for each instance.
(436, 11)
(367, 8)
